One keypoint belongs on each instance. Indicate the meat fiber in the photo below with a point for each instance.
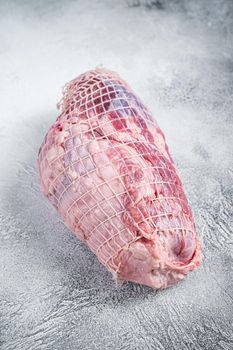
(106, 168)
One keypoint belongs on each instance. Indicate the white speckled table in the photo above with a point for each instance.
(178, 56)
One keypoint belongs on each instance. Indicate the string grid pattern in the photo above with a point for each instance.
(106, 168)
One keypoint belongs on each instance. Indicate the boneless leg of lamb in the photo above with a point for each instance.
(106, 168)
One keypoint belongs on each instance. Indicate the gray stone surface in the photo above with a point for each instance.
(178, 56)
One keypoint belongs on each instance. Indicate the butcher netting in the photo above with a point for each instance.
(106, 168)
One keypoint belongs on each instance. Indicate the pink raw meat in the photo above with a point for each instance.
(106, 168)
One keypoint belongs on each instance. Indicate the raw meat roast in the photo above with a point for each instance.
(105, 167)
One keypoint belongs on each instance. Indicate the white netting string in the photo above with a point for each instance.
(106, 168)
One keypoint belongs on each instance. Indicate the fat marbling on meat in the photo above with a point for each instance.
(106, 168)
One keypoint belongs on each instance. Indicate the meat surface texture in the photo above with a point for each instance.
(106, 168)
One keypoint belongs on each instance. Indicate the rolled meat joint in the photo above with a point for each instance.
(106, 168)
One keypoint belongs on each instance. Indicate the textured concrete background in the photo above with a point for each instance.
(178, 56)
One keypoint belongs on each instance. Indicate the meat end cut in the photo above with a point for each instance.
(106, 168)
